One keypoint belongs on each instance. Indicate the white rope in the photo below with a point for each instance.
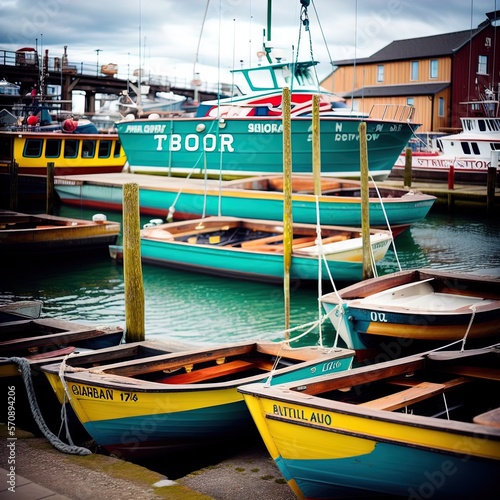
(473, 315)
(54, 440)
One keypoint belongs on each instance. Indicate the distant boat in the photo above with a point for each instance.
(414, 308)
(21, 309)
(468, 153)
(240, 134)
(71, 153)
(41, 339)
(34, 237)
(255, 197)
(422, 426)
(185, 400)
(254, 249)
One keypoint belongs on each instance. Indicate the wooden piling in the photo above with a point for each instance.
(49, 209)
(365, 208)
(14, 186)
(132, 268)
(490, 189)
(287, 203)
(408, 171)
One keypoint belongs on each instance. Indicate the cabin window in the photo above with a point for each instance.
(495, 146)
(33, 148)
(118, 149)
(475, 148)
(52, 148)
(88, 149)
(71, 148)
(5, 148)
(380, 73)
(414, 71)
(434, 68)
(466, 148)
(441, 106)
(104, 149)
(410, 101)
(482, 65)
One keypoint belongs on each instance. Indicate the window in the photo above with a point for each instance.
(52, 148)
(441, 106)
(88, 148)
(104, 149)
(482, 65)
(71, 148)
(410, 101)
(380, 73)
(118, 149)
(414, 71)
(434, 68)
(33, 148)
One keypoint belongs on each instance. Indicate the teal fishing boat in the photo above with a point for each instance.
(256, 197)
(254, 249)
(241, 134)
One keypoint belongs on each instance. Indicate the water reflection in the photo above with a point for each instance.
(203, 309)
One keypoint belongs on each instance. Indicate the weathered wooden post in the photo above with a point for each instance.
(14, 185)
(408, 171)
(132, 269)
(365, 208)
(49, 209)
(287, 204)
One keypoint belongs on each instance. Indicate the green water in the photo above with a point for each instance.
(200, 309)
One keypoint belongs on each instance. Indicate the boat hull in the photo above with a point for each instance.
(227, 257)
(238, 147)
(192, 200)
(338, 454)
(467, 307)
(135, 422)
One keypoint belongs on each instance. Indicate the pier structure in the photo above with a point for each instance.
(30, 70)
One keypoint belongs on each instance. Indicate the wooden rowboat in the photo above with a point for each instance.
(409, 308)
(253, 249)
(161, 404)
(424, 426)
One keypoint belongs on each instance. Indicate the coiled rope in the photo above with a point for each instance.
(25, 368)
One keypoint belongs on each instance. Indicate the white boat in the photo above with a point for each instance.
(470, 153)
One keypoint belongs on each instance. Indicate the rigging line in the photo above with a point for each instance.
(470, 50)
(324, 39)
(199, 39)
(386, 219)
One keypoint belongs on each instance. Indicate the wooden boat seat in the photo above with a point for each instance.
(490, 418)
(475, 372)
(208, 373)
(412, 395)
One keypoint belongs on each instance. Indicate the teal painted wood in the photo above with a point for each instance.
(392, 469)
(253, 146)
(407, 210)
(255, 266)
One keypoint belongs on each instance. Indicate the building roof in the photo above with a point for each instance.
(419, 48)
(411, 89)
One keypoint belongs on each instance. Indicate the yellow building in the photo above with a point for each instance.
(435, 74)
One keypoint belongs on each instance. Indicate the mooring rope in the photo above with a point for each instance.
(25, 368)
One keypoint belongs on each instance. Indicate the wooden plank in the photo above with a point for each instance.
(475, 372)
(210, 372)
(412, 395)
(262, 241)
(490, 418)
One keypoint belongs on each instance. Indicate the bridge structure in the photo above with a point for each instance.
(27, 69)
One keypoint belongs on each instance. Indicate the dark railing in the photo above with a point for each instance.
(56, 65)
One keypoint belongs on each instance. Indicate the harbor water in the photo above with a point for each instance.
(198, 309)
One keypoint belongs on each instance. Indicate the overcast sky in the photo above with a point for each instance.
(167, 32)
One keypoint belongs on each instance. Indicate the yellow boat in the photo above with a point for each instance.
(424, 426)
(161, 404)
(71, 153)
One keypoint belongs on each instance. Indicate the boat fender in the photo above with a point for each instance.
(69, 125)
